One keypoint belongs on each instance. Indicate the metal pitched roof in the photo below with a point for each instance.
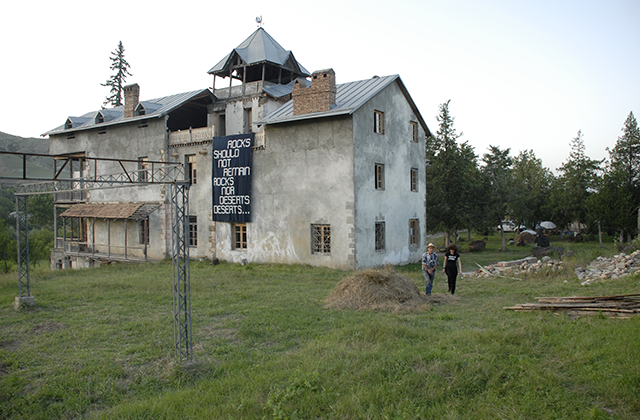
(349, 97)
(278, 91)
(154, 108)
(257, 48)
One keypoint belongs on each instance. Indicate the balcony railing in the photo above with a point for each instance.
(192, 135)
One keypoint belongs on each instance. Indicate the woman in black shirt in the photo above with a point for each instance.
(450, 268)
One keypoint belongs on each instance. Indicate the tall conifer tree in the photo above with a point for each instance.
(117, 81)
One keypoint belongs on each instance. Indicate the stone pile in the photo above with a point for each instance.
(517, 267)
(609, 268)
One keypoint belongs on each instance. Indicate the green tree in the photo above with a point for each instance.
(8, 247)
(40, 244)
(41, 211)
(574, 185)
(450, 171)
(498, 170)
(117, 81)
(624, 177)
(530, 190)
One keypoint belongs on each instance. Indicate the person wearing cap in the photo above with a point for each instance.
(429, 264)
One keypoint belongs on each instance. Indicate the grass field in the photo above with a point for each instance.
(99, 345)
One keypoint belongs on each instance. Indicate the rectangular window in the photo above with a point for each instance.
(380, 242)
(413, 232)
(378, 122)
(193, 231)
(222, 125)
(379, 176)
(414, 131)
(143, 166)
(191, 168)
(248, 120)
(414, 179)
(321, 239)
(143, 228)
(240, 236)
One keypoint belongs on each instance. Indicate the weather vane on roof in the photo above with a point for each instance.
(259, 21)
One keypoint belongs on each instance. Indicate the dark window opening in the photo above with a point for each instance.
(380, 240)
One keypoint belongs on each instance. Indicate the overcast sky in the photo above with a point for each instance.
(519, 74)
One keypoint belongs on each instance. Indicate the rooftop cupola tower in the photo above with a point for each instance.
(259, 58)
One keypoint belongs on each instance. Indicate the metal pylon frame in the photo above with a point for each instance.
(22, 232)
(181, 272)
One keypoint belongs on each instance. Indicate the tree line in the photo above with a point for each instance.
(466, 191)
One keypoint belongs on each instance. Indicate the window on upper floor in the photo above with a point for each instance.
(248, 120)
(379, 176)
(414, 180)
(140, 110)
(221, 128)
(414, 131)
(321, 239)
(191, 169)
(378, 122)
(143, 169)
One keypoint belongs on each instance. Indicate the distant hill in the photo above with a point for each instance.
(11, 165)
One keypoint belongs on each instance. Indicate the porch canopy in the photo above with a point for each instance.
(127, 211)
(106, 211)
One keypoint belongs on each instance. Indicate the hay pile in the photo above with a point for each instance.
(526, 237)
(381, 290)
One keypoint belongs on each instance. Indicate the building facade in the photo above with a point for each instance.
(337, 174)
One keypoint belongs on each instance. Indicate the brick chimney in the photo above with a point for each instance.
(131, 99)
(318, 97)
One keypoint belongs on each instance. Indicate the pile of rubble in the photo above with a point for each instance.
(609, 268)
(517, 267)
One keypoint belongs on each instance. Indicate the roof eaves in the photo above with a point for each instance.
(160, 111)
(310, 116)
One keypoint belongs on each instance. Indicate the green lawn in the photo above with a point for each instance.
(99, 344)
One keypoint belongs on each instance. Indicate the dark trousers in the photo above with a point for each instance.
(452, 273)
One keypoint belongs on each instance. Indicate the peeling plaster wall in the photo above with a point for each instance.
(396, 204)
(303, 177)
(125, 141)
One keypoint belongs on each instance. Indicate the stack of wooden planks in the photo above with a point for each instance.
(609, 305)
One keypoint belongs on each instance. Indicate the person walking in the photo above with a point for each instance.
(450, 268)
(429, 264)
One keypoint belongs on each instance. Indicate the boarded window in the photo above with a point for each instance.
(380, 237)
(193, 231)
(379, 176)
(240, 236)
(378, 122)
(321, 239)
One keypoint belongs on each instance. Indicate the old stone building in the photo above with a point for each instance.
(333, 174)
